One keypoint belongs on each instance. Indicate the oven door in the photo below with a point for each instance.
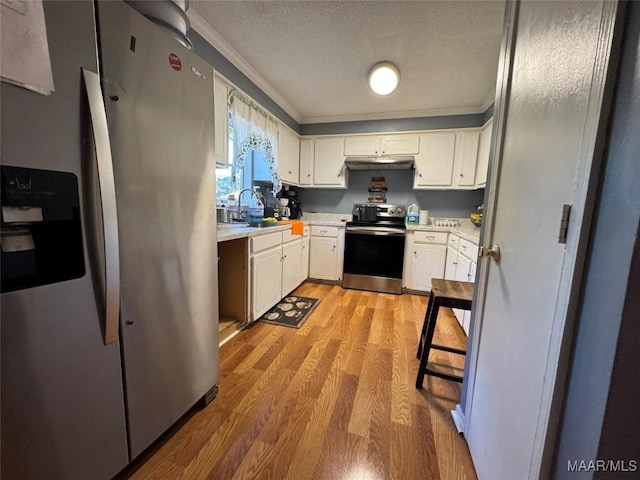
(373, 258)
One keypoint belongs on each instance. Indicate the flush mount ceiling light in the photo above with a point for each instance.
(384, 78)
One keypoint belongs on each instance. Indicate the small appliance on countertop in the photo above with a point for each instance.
(295, 209)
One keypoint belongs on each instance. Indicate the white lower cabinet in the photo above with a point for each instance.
(326, 249)
(451, 264)
(323, 264)
(277, 268)
(305, 255)
(266, 281)
(461, 266)
(291, 266)
(425, 256)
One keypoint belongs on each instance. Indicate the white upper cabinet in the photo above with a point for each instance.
(465, 159)
(361, 145)
(307, 151)
(434, 163)
(288, 156)
(483, 154)
(221, 119)
(401, 144)
(328, 168)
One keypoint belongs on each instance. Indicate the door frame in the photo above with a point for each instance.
(570, 286)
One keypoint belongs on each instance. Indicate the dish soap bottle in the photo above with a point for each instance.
(256, 209)
(413, 213)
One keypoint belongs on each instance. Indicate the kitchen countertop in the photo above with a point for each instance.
(228, 232)
(465, 229)
(326, 219)
(242, 231)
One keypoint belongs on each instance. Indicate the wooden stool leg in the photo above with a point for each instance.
(424, 326)
(424, 358)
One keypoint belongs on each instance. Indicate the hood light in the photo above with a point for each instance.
(384, 78)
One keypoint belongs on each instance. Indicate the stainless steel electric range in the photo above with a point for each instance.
(374, 248)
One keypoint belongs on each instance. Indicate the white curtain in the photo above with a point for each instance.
(255, 129)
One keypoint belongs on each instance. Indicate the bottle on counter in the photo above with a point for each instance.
(413, 213)
(256, 209)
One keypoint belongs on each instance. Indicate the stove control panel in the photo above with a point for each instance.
(397, 211)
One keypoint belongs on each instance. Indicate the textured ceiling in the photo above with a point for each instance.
(316, 54)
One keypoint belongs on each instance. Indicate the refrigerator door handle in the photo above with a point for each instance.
(106, 183)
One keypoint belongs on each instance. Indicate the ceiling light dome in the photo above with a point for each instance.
(384, 78)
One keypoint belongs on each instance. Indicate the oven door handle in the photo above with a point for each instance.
(382, 231)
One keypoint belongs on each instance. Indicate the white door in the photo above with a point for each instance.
(291, 266)
(547, 113)
(323, 258)
(266, 282)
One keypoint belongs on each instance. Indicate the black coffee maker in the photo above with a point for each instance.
(294, 203)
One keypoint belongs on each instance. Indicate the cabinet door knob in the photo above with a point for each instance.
(334, 247)
(308, 174)
(420, 175)
(462, 174)
(415, 254)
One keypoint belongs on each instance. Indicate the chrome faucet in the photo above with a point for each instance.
(242, 217)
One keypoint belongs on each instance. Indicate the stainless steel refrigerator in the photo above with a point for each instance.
(109, 308)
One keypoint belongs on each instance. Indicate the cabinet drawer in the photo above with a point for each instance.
(288, 236)
(454, 241)
(320, 231)
(262, 242)
(468, 249)
(430, 237)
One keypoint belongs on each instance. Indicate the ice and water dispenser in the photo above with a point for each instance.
(41, 233)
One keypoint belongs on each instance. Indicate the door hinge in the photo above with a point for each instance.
(564, 223)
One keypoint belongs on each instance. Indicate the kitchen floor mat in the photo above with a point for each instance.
(291, 311)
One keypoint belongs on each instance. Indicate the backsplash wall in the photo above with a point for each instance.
(440, 203)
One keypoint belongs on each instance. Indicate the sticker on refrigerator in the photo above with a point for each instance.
(175, 62)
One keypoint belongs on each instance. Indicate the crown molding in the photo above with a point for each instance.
(443, 112)
(200, 25)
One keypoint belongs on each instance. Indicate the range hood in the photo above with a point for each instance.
(384, 162)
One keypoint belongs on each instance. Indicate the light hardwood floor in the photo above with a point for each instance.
(334, 400)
